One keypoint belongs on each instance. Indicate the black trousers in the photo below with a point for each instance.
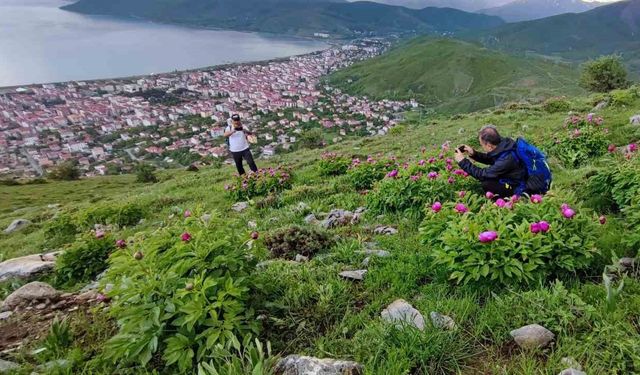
(246, 155)
(501, 190)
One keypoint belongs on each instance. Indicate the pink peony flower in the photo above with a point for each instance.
(489, 236)
(100, 234)
(590, 117)
(501, 203)
(436, 207)
(515, 198)
(415, 178)
(433, 175)
(449, 161)
(611, 148)
(509, 205)
(568, 213)
(121, 244)
(462, 193)
(449, 167)
(489, 195)
(602, 219)
(461, 208)
(451, 180)
(536, 198)
(535, 228)
(422, 162)
(544, 226)
(431, 160)
(633, 147)
(564, 206)
(393, 173)
(186, 237)
(187, 213)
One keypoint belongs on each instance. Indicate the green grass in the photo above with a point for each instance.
(312, 311)
(455, 77)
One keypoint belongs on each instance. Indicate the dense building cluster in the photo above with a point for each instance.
(107, 126)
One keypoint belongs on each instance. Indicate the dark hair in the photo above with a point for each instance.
(489, 134)
(235, 117)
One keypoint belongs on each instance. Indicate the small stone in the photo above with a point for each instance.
(357, 275)
(7, 366)
(385, 230)
(301, 258)
(91, 286)
(365, 262)
(206, 218)
(17, 225)
(377, 253)
(252, 225)
(34, 291)
(310, 219)
(532, 336)
(571, 363)
(87, 296)
(302, 365)
(240, 206)
(41, 306)
(634, 120)
(402, 313)
(572, 371)
(5, 315)
(74, 308)
(302, 207)
(626, 264)
(601, 105)
(442, 321)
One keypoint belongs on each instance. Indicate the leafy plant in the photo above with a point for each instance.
(60, 230)
(332, 164)
(263, 182)
(145, 173)
(604, 74)
(555, 105)
(121, 214)
(612, 292)
(67, 171)
(515, 254)
(58, 340)
(615, 187)
(363, 174)
(622, 98)
(249, 358)
(83, 260)
(181, 293)
(582, 140)
(288, 242)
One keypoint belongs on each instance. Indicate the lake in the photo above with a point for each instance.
(40, 43)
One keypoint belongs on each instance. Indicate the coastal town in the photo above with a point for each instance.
(176, 119)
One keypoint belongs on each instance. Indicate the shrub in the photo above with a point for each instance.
(181, 298)
(363, 175)
(461, 244)
(614, 187)
(60, 230)
(261, 183)
(67, 171)
(125, 214)
(288, 242)
(83, 260)
(332, 164)
(555, 105)
(604, 74)
(313, 138)
(583, 139)
(622, 98)
(145, 173)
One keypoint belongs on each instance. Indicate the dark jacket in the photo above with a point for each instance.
(503, 164)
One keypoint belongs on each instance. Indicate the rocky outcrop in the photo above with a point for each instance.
(28, 266)
(403, 314)
(17, 225)
(441, 321)
(634, 120)
(302, 365)
(35, 292)
(357, 275)
(240, 206)
(532, 336)
(7, 366)
(337, 218)
(385, 230)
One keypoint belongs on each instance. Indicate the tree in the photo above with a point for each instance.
(604, 74)
(145, 173)
(312, 139)
(67, 171)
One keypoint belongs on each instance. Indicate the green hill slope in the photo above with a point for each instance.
(455, 76)
(293, 17)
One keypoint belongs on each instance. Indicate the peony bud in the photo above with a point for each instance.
(189, 287)
(544, 226)
(568, 213)
(100, 234)
(451, 180)
(121, 244)
(536, 198)
(612, 148)
(138, 255)
(535, 228)
(433, 175)
(187, 213)
(602, 219)
(255, 235)
(186, 237)
(462, 193)
(489, 236)
(489, 195)
(461, 208)
(393, 173)
(436, 207)
(501, 203)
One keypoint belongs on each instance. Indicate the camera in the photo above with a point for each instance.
(461, 148)
(238, 128)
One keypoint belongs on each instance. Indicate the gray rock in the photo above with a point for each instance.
(5, 315)
(240, 206)
(27, 266)
(627, 264)
(532, 336)
(337, 218)
(17, 225)
(357, 275)
(310, 219)
(32, 292)
(600, 106)
(385, 230)
(403, 314)
(302, 207)
(206, 218)
(252, 225)
(571, 363)
(302, 365)
(7, 366)
(442, 321)
(301, 258)
(634, 120)
(377, 253)
(360, 210)
(91, 286)
(53, 365)
(572, 371)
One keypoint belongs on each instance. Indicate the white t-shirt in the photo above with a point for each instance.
(238, 140)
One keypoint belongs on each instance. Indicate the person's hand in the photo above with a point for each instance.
(458, 156)
(468, 149)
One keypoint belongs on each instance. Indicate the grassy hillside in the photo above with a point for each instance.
(605, 30)
(293, 17)
(454, 76)
(306, 308)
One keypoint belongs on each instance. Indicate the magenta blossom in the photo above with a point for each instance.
(489, 236)
(436, 207)
(100, 234)
(121, 244)
(449, 161)
(451, 180)
(536, 198)
(564, 206)
(602, 219)
(461, 208)
(462, 193)
(510, 204)
(422, 162)
(432, 160)
(186, 237)
(633, 147)
(449, 167)
(415, 178)
(535, 228)
(187, 213)
(489, 195)
(569, 213)
(393, 173)
(544, 226)
(611, 148)
(433, 175)
(501, 203)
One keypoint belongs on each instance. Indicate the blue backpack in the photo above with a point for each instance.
(538, 172)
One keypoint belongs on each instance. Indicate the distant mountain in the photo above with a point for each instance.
(613, 28)
(293, 17)
(525, 10)
(466, 5)
(455, 76)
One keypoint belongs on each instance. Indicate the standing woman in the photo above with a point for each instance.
(239, 144)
